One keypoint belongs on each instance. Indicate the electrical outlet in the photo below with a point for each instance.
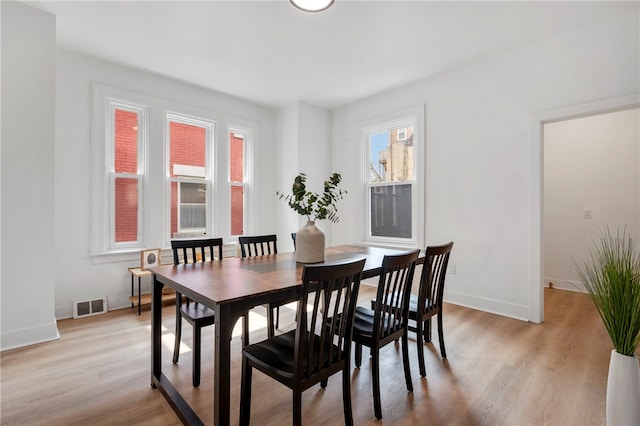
(587, 214)
(452, 268)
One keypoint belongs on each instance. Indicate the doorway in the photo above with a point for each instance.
(536, 194)
(591, 181)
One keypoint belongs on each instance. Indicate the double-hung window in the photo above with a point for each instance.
(394, 178)
(158, 172)
(238, 179)
(127, 131)
(190, 142)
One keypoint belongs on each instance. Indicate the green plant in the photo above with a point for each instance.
(311, 204)
(611, 276)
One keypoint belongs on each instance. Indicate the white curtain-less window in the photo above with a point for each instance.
(394, 180)
(155, 177)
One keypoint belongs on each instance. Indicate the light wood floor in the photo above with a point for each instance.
(500, 371)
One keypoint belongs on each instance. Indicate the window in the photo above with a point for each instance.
(125, 182)
(153, 174)
(392, 158)
(189, 144)
(237, 180)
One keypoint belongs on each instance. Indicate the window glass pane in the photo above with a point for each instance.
(188, 160)
(391, 155)
(236, 157)
(188, 149)
(126, 209)
(237, 210)
(190, 214)
(126, 141)
(391, 211)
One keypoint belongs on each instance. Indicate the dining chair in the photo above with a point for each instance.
(388, 319)
(319, 347)
(261, 245)
(428, 301)
(293, 237)
(196, 314)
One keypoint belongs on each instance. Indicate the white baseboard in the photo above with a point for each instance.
(29, 336)
(499, 307)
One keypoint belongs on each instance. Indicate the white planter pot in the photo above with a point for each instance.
(310, 244)
(623, 390)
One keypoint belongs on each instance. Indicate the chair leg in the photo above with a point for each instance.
(427, 330)
(197, 334)
(375, 371)
(405, 361)
(245, 329)
(297, 407)
(346, 395)
(178, 333)
(358, 354)
(420, 344)
(441, 335)
(270, 328)
(278, 318)
(324, 383)
(245, 392)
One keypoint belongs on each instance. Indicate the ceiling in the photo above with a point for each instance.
(274, 54)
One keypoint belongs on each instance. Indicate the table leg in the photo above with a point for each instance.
(132, 291)
(225, 321)
(156, 330)
(139, 298)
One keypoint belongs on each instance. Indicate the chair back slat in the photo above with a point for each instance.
(394, 290)
(194, 251)
(325, 317)
(259, 245)
(433, 275)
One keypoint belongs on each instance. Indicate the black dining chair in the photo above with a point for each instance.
(319, 347)
(261, 245)
(388, 320)
(428, 301)
(196, 314)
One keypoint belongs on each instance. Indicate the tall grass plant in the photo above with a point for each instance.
(611, 276)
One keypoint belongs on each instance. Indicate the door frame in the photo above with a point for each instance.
(536, 136)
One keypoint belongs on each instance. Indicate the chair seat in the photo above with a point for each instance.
(197, 312)
(276, 354)
(363, 322)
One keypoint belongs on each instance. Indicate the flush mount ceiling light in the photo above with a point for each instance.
(312, 5)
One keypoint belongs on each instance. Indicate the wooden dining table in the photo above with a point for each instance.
(230, 288)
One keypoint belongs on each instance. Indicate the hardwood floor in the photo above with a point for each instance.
(500, 371)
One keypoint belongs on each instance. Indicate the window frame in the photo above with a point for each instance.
(113, 104)
(154, 205)
(411, 116)
(208, 180)
(247, 172)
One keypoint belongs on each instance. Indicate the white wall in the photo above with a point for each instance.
(304, 145)
(28, 127)
(78, 275)
(589, 163)
(478, 153)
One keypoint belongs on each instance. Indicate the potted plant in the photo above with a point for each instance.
(310, 238)
(611, 276)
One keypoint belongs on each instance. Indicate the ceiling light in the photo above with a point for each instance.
(312, 5)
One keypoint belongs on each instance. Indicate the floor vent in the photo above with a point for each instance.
(87, 308)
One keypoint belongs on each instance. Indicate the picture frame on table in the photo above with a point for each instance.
(149, 258)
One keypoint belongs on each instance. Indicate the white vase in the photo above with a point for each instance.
(310, 244)
(623, 390)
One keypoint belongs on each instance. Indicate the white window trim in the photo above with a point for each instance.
(105, 101)
(209, 126)
(246, 184)
(155, 223)
(416, 117)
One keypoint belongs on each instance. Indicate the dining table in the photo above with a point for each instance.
(230, 288)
